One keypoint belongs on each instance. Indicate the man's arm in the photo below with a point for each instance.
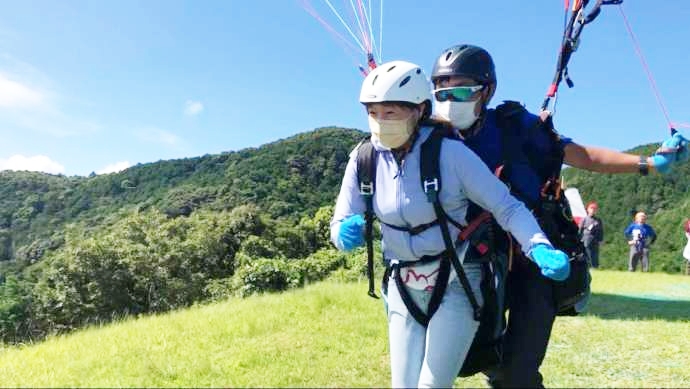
(601, 160)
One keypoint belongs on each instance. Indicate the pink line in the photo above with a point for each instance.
(646, 67)
(680, 125)
(307, 7)
(367, 44)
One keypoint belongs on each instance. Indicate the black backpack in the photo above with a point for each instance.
(552, 211)
(486, 349)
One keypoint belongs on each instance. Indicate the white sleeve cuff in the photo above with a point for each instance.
(534, 240)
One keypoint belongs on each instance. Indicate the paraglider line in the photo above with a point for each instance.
(367, 17)
(381, 32)
(354, 21)
(647, 70)
(352, 34)
(307, 7)
(359, 17)
(365, 22)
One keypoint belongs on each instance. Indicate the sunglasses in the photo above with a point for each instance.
(457, 93)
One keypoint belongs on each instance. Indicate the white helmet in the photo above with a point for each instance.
(396, 81)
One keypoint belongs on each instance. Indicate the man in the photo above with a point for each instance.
(464, 79)
(592, 233)
(640, 236)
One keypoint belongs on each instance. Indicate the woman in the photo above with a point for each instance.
(397, 98)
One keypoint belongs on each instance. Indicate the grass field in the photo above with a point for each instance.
(636, 334)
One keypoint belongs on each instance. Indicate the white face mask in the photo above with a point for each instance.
(393, 133)
(460, 114)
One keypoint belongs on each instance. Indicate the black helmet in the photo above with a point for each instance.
(467, 61)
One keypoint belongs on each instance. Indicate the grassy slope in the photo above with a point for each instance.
(331, 334)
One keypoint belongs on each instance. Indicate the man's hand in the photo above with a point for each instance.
(673, 149)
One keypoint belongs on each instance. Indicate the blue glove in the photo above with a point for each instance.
(351, 232)
(682, 154)
(674, 149)
(553, 263)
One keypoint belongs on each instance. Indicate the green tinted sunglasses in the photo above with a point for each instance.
(457, 93)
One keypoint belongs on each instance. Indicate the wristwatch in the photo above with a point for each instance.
(643, 166)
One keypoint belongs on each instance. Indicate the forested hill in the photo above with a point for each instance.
(286, 179)
(165, 235)
(665, 199)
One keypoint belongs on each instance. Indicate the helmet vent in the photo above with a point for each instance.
(404, 81)
(374, 80)
(391, 68)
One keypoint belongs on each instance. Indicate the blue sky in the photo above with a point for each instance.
(101, 85)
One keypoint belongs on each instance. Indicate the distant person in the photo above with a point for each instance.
(592, 233)
(686, 251)
(640, 237)
(430, 318)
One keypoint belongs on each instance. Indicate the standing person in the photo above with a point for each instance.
(592, 233)
(640, 236)
(464, 79)
(397, 99)
(686, 251)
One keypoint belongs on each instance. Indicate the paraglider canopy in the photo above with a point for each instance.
(360, 21)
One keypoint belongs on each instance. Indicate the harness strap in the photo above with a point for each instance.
(431, 183)
(368, 236)
(413, 230)
(366, 172)
(474, 224)
(458, 266)
(423, 227)
(423, 260)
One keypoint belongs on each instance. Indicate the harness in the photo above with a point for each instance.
(551, 209)
(486, 349)
(431, 184)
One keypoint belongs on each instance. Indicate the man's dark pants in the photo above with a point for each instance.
(531, 317)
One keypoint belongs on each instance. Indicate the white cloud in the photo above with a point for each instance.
(114, 167)
(36, 109)
(16, 95)
(156, 135)
(37, 163)
(192, 108)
